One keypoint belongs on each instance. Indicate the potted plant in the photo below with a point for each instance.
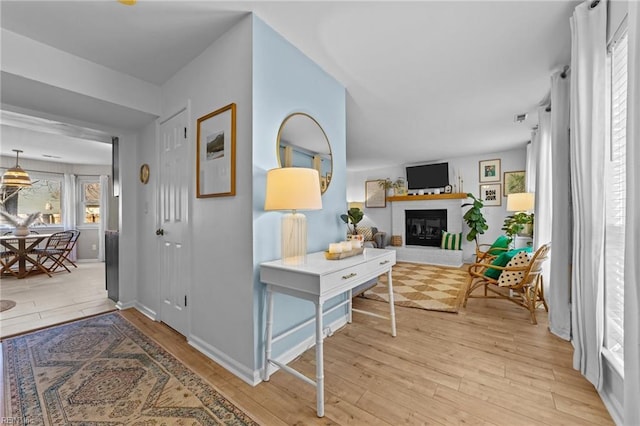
(387, 185)
(520, 223)
(353, 216)
(474, 219)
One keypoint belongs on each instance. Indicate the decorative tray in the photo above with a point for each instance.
(343, 255)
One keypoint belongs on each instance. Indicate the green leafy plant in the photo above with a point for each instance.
(516, 223)
(474, 218)
(353, 216)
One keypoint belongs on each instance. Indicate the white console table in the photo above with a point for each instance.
(318, 280)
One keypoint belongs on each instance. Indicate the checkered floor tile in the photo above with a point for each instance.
(430, 287)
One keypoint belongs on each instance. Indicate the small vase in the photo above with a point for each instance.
(21, 231)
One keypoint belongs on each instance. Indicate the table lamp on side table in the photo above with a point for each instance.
(293, 188)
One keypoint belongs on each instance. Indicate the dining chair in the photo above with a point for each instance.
(54, 251)
(68, 250)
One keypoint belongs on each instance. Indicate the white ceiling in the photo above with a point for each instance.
(425, 80)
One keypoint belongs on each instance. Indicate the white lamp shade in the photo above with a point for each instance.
(520, 202)
(293, 188)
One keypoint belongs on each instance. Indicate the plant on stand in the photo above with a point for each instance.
(474, 219)
(520, 223)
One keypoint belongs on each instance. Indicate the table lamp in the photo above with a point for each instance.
(293, 188)
(520, 202)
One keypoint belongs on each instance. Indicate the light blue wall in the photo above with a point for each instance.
(285, 81)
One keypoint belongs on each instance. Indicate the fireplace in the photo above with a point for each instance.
(424, 227)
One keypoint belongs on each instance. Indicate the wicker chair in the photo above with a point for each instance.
(528, 292)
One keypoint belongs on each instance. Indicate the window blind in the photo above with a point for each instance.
(616, 203)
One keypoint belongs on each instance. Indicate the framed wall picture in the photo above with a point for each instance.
(375, 194)
(490, 194)
(216, 153)
(514, 182)
(490, 170)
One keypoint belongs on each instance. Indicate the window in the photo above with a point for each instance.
(89, 201)
(615, 205)
(43, 196)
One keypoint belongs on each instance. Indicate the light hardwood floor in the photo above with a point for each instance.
(42, 301)
(485, 365)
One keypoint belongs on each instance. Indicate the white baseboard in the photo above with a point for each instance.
(146, 311)
(126, 305)
(613, 407)
(244, 373)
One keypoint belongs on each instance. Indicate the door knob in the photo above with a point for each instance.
(159, 231)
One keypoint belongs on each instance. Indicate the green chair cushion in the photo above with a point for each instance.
(502, 260)
(502, 242)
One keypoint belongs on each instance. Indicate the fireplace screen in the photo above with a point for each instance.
(424, 227)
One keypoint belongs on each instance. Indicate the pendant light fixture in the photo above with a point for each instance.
(15, 176)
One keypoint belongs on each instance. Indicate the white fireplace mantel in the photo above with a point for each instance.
(433, 255)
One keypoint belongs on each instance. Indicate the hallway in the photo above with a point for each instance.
(41, 301)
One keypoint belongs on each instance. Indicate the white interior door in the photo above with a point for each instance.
(174, 221)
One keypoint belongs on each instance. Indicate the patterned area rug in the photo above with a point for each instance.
(435, 288)
(6, 304)
(103, 370)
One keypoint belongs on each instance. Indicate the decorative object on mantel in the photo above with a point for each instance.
(21, 224)
(474, 219)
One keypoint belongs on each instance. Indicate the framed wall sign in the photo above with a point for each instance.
(514, 182)
(375, 194)
(216, 153)
(490, 171)
(490, 194)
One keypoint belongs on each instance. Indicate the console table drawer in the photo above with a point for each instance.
(343, 276)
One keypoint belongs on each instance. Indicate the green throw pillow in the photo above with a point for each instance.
(502, 242)
(451, 241)
(502, 260)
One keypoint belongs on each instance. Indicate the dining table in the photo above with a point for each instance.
(20, 248)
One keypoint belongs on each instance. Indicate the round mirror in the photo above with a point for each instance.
(303, 143)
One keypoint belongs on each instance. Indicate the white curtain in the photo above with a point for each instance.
(543, 189)
(530, 166)
(588, 134)
(69, 196)
(559, 294)
(632, 241)
(104, 214)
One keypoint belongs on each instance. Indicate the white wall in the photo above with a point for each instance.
(66, 71)
(466, 167)
(221, 285)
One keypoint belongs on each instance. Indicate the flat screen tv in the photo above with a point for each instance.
(428, 176)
